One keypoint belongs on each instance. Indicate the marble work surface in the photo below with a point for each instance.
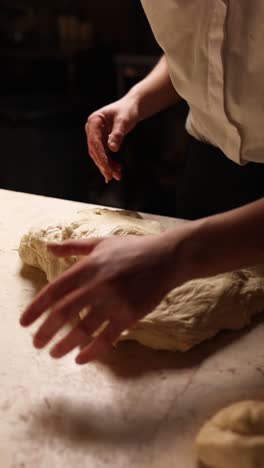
(138, 408)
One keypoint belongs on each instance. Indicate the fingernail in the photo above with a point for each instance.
(80, 360)
(38, 343)
(54, 353)
(107, 179)
(113, 145)
(23, 321)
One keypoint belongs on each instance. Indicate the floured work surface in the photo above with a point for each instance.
(142, 408)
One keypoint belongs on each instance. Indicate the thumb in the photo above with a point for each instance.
(117, 135)
(73, 247)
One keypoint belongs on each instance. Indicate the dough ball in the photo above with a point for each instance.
(234, 437)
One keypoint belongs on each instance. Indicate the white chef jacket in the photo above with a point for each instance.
(215, 55)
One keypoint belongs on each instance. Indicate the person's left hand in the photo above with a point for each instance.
(120, 280)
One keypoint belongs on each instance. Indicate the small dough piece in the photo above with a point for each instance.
(188, 315)
(234, 437)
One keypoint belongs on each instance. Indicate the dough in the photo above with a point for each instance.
(96, 222)
(188, 315)
(234, 437)
(199, 309)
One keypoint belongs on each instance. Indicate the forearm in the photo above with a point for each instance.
(155, 92)
(220, 243)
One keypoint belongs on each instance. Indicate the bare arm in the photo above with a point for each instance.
(156, 92)
(220, 243)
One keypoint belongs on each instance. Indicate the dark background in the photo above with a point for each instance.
(60, 61)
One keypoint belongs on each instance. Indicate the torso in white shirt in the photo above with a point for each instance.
(214, 50)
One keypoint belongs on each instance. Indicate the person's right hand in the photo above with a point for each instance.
(105, 131)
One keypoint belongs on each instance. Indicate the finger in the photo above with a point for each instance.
(95, 129)
(117, 176)
(81, 333)
(118, 133)
(100, 138)
(64, 311)
(116, 169)
(76, 337)
(73, 247)
(116, 138)
(103, 343)
(116, 166)
(115, 141)
(53, 292)
(101, 160)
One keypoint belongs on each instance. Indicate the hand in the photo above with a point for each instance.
(105, 131)
(120, 280)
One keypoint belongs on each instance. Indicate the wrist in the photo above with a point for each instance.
(137, 96)
(186, 249)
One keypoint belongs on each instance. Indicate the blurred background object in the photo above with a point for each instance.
(60, 61)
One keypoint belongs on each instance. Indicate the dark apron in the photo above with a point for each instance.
(212, 183)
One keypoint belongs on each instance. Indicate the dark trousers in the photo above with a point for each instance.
(212, 183)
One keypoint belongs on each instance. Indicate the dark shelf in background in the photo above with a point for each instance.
(47, 92)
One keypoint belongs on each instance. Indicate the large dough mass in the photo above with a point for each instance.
(234, 437)
(188, 315)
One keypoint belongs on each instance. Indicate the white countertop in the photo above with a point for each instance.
(141, 408)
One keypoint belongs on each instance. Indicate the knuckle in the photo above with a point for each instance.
(118, 134)
(120, 123)
(94, 264)
(90, 118)
(125, 121)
